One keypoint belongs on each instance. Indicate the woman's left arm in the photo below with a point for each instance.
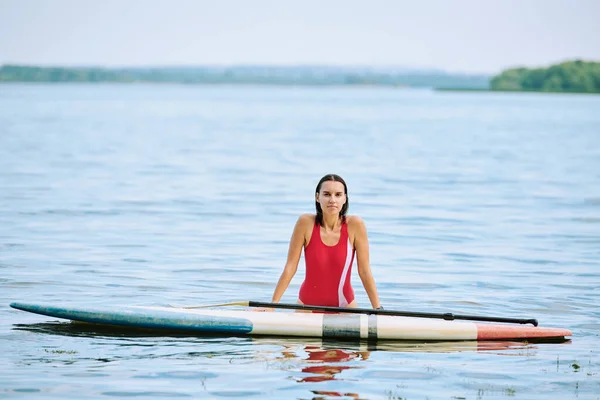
(361, 245)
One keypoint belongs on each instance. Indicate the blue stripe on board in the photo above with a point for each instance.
(372, 327)
(341, 326)
(144, 318)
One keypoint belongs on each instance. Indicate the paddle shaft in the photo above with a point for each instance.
(445, 316)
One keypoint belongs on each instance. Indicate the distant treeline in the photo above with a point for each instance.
(264, 75)
(572, 76)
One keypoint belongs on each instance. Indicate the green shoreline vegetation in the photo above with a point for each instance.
(575, 76)
(582, 77)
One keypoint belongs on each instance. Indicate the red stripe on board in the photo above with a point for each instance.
(491, 332)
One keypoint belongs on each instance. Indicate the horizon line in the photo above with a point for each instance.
(373, 67)
(266, 65)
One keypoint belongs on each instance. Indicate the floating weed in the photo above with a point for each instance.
(575, 366)
(494, 390)
(60, 351)
(391, 395)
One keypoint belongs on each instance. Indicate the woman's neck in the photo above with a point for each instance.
(330, 222)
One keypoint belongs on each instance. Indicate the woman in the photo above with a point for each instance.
(330, 240)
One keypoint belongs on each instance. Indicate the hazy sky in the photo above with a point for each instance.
(455, 35)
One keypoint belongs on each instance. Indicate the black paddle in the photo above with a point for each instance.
(446, 316)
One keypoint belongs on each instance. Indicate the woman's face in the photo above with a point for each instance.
(331, 197)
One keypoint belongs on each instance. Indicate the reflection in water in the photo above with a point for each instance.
(314, 359)
(320, 360)
(324, 371)
(304, 360)
(326, 360)
(322, 393)
(82, 329)
(514, 347)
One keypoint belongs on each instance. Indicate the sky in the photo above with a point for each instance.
(470, 36)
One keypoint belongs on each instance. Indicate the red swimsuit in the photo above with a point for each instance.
(328, 270)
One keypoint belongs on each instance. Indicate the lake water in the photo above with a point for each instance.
(475, 203)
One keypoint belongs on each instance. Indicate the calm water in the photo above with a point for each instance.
(475, 203)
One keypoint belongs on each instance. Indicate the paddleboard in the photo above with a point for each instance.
(249, 322)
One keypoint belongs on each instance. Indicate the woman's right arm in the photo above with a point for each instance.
(294, 252)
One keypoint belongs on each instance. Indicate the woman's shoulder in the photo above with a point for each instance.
(354, 220)
(308, 219)
(355, 223)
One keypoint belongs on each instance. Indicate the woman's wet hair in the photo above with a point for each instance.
(344, 210)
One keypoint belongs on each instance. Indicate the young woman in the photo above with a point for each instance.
(330, 240)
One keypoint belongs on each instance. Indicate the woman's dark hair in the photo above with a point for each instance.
(344, 210)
